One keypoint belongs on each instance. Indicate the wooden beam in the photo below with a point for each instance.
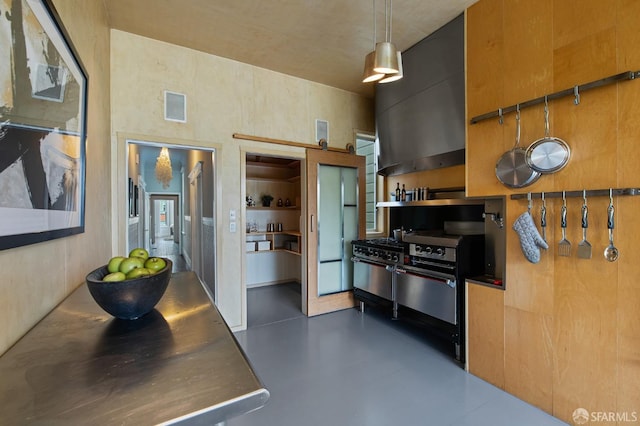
(284, 142)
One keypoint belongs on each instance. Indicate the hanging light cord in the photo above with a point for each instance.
(374, 25)
(388, 10)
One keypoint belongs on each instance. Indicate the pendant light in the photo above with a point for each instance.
(369, 74)
(386, 58)
(397, 76)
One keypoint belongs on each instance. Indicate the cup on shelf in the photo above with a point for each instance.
(279, 227)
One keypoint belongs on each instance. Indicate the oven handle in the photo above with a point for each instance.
(389, 268)
(432, 275)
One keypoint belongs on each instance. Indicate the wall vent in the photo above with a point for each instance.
(322, 130)
(175, 107)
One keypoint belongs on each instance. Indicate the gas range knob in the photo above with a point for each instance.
(428, 250)
(440, 252)
(418, 249)
(394, 258)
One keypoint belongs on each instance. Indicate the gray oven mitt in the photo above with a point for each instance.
(530, 238)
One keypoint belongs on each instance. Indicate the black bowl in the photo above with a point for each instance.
(129, 299)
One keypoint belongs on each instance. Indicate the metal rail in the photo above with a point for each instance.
(589, 193)
(575, 91)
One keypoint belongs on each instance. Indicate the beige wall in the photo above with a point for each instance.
(37, 277)
(223, 97)
(565, 334)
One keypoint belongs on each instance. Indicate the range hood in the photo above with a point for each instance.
(420, 119)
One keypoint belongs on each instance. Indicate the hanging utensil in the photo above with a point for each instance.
(564, 246)
(543, 217)
(512, 169)
(584, 247)
(611, 252)
(549, 154)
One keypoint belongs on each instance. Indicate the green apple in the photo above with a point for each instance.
(130, 263)
(155, 264)
(139, 252)
(114, 276)
(114, 263)
(138, 272)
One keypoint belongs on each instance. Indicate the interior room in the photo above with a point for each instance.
(367, 212)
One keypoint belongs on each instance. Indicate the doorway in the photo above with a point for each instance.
(169, 203)
(274, 256)
(164, 226)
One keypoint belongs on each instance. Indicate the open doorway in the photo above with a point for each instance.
(274, 264)
(164, 226)
(165, 196)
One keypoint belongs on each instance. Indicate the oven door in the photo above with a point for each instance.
(430, 293)
(373, 277)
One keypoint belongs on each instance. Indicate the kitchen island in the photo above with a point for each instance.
(179, 364)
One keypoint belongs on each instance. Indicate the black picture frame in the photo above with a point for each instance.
(131, 211)
(136, 198)
(43, 109)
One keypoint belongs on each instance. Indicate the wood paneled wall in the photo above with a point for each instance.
(571, 327)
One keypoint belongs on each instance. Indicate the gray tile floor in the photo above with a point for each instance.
(167, 248)
(348, 368)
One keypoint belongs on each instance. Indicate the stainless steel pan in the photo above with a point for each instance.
(548, 154)
(512, 169)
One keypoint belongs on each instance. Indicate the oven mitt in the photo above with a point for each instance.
(530, 239)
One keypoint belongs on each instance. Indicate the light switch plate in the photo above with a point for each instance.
(232, 227)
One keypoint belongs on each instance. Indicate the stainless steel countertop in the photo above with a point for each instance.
(178, 364)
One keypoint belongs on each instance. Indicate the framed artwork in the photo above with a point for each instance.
(43, 102)
(131, 212)
(136, 197)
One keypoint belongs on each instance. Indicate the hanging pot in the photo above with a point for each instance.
(512, 168)
(549, 154)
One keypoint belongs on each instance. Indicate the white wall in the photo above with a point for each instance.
(223, 97)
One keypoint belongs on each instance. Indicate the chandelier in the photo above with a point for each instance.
(164, 173)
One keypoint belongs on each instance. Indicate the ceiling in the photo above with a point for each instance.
(323, 41)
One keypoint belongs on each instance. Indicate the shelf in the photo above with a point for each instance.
(433, 203)
(292, 233)
(275, 250)
(273, 208)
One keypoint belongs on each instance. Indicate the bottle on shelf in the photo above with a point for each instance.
(398, 191)
(403, 194)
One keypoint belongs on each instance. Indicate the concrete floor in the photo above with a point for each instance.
(349, 368)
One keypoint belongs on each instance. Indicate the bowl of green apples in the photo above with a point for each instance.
(130, 287)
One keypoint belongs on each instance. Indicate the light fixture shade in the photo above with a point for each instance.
(369, 74)
(397, 76)
(386, 58)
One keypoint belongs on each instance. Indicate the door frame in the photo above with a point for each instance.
(314, 304)
(177, 213)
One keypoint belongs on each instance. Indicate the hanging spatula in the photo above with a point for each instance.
(584, 247)
(564, 246)
(543, 218)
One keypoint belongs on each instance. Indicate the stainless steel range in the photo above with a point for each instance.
(426, 282)
(375, 261)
